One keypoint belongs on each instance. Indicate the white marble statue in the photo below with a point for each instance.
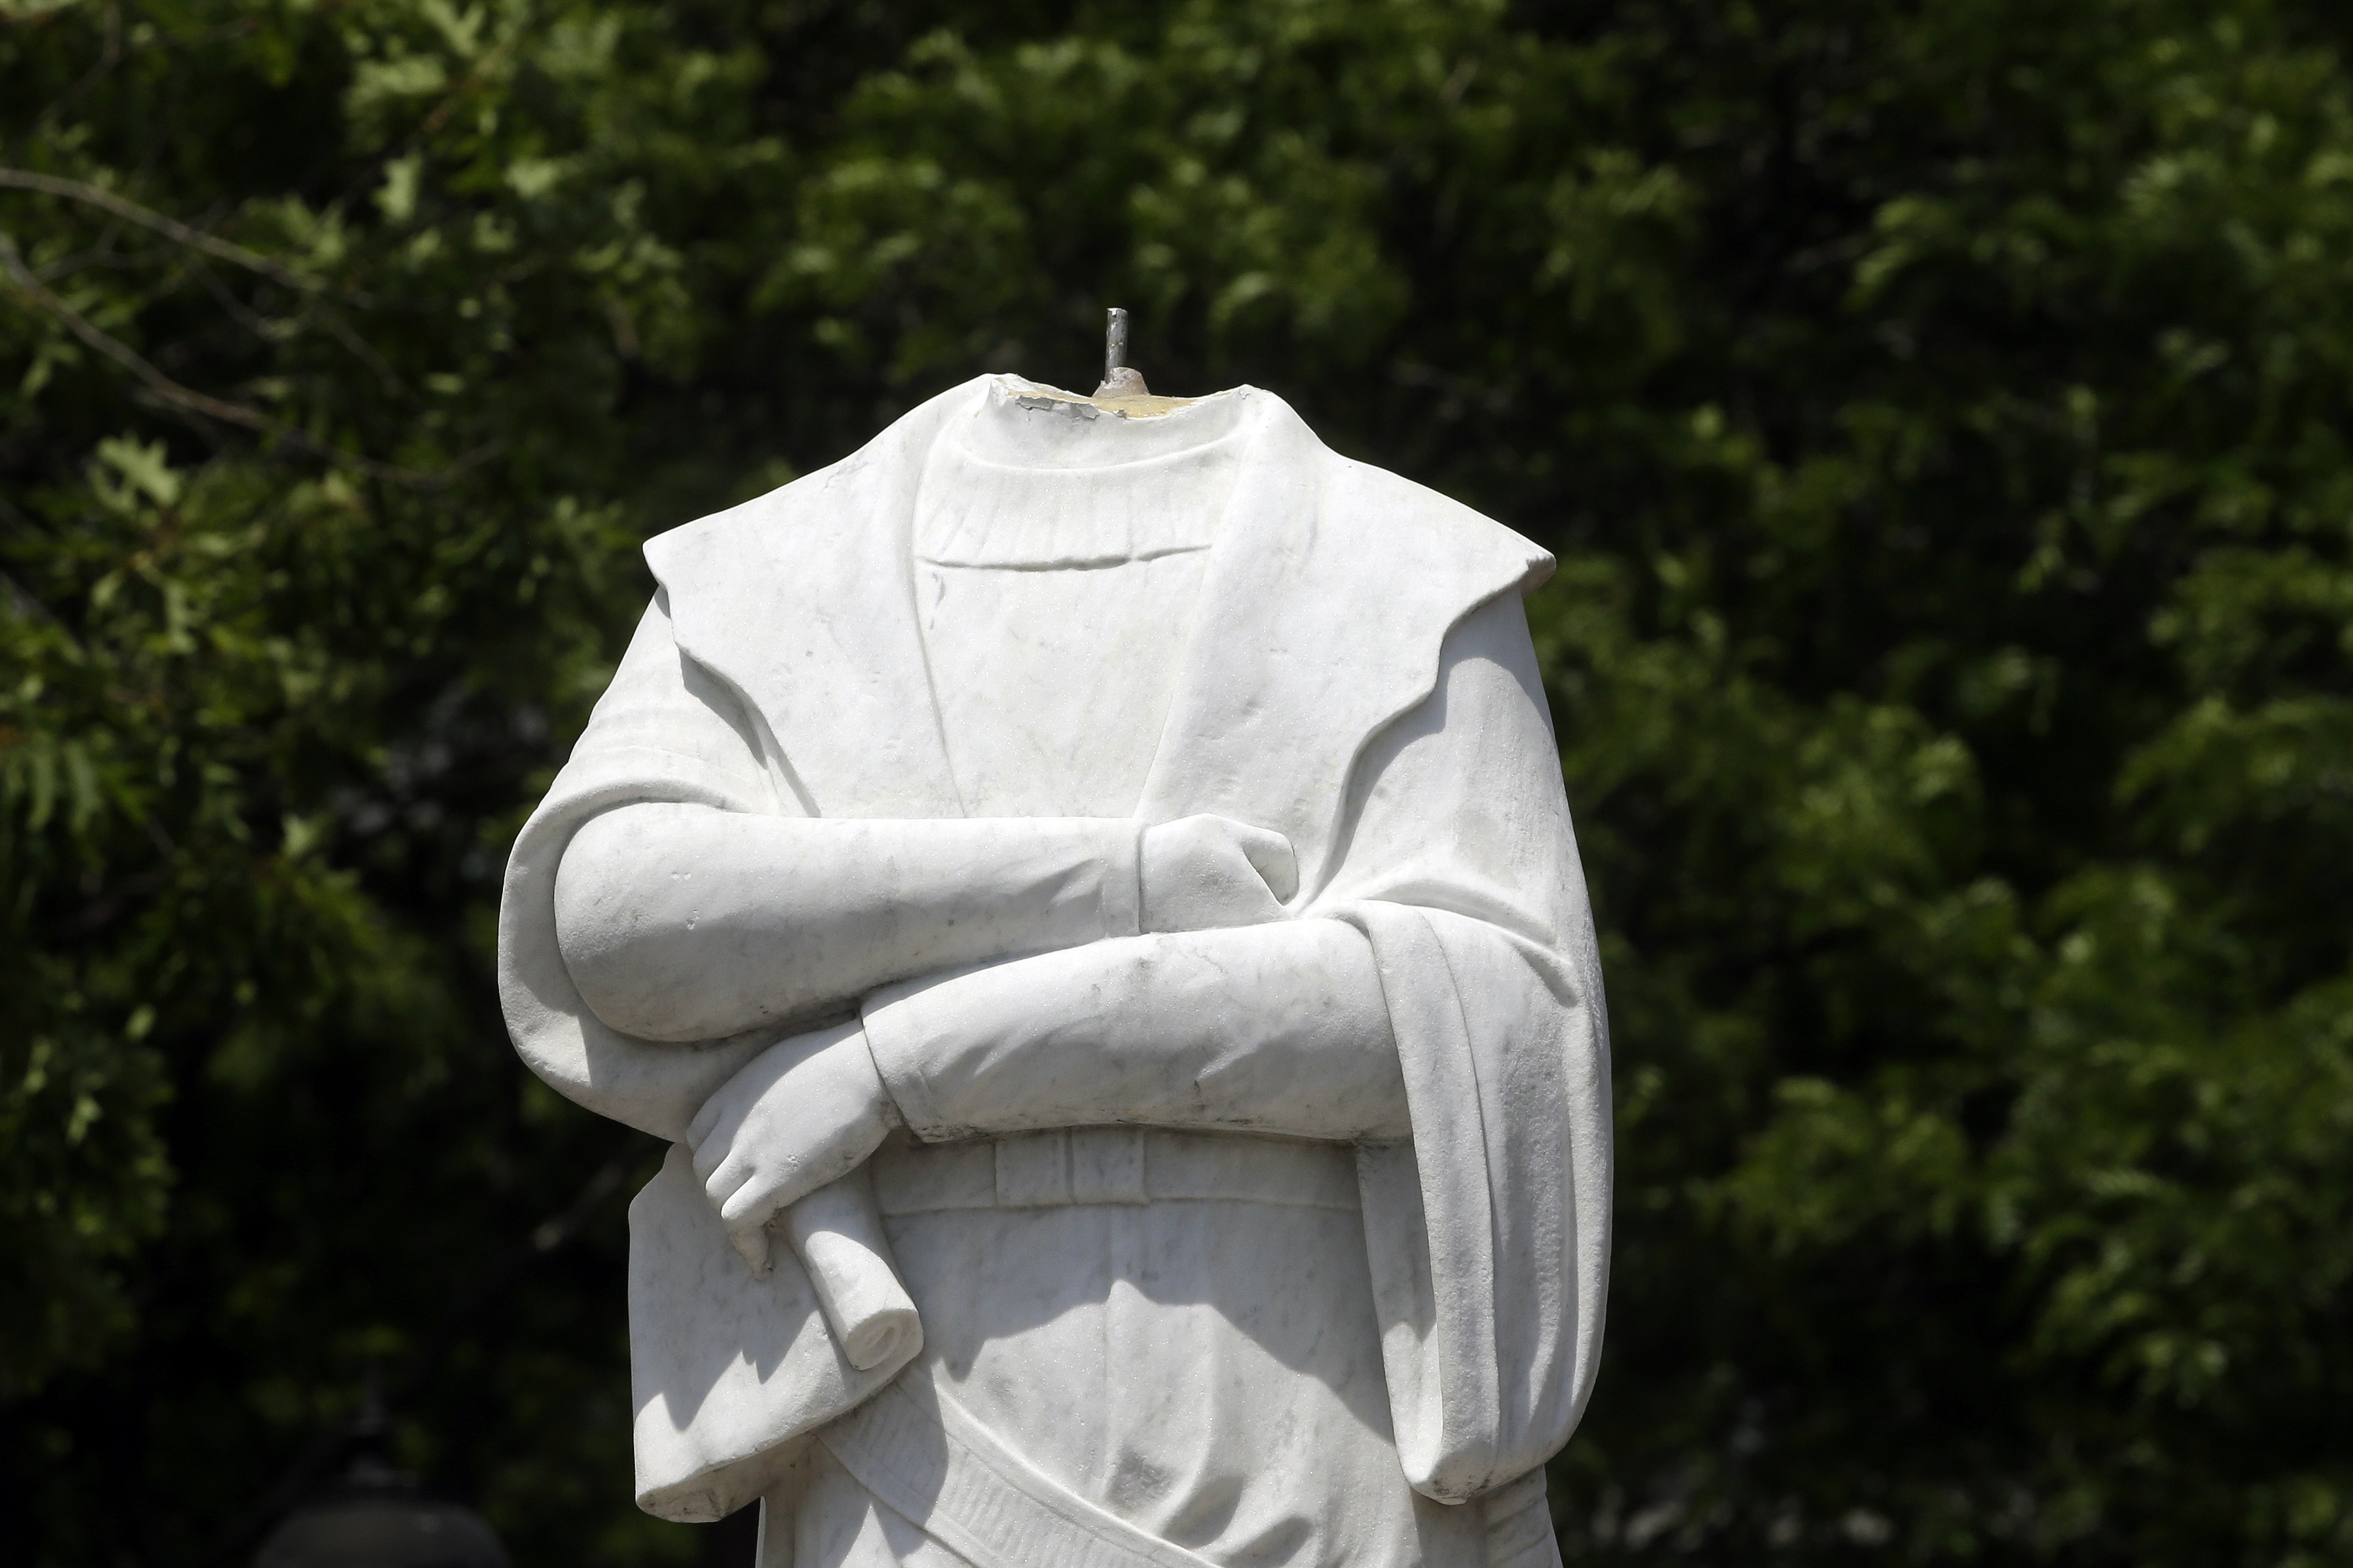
(1083, 885)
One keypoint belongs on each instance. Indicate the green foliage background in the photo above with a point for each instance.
(1941, 412)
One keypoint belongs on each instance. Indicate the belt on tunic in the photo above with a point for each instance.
(1114, 1165)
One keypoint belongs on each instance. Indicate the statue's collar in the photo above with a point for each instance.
(1023, 424)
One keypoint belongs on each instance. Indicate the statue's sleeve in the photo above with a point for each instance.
(662, 731)
(1488, 1233)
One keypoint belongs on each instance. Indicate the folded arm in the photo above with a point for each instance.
(682, 922)
(1273, 1028)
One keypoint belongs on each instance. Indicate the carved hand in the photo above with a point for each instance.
(1203, 872)
(801, 1114)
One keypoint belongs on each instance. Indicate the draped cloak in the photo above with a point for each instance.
(1357, 678)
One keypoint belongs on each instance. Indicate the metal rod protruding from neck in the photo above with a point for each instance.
(1115, 342)
(1120, 380)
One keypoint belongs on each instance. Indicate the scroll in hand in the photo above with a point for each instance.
(785, 1136)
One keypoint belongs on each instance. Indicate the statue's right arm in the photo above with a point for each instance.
(686, 922)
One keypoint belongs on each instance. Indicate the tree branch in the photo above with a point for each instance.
(12, 261)
(147, 217)
(165, 390)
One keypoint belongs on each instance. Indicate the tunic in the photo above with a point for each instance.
(1205, 1367)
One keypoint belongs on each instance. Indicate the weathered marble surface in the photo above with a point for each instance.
(1100, 870)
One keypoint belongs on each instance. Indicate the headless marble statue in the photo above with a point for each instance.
(1092, 875)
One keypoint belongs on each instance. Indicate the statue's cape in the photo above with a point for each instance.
(1329, 598)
